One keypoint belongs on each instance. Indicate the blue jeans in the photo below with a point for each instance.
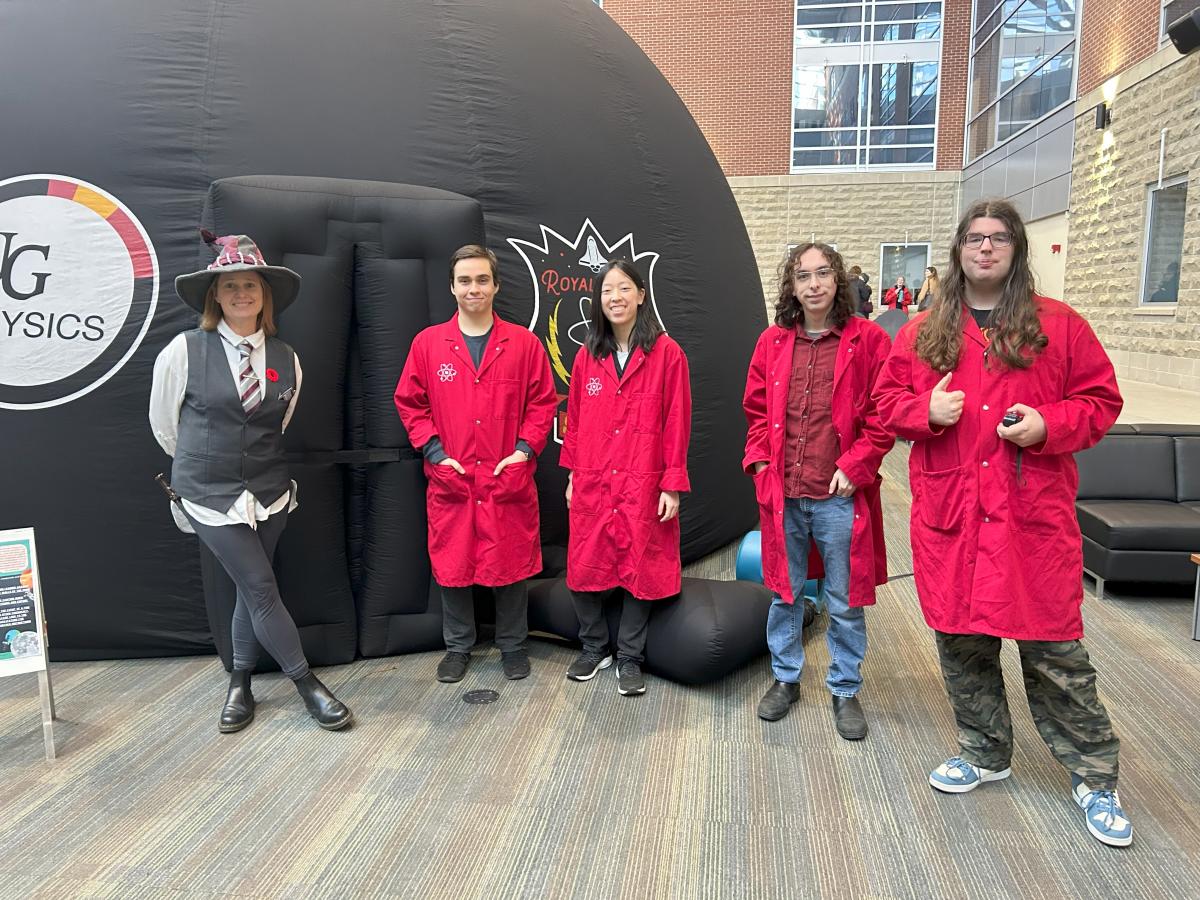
(829, 524)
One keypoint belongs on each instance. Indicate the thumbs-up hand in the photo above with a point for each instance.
(945, 406)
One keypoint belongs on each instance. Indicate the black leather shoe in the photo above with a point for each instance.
(849, 718)
(778, 700)
(330, 712)
(239, 704)
(515, 664)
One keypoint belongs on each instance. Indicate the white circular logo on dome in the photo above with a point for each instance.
(78, 288)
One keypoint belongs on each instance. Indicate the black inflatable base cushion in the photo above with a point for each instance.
(711, 629)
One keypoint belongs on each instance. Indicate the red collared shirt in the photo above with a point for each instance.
(812, 449)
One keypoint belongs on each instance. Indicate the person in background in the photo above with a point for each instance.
(860, 292)
(898, 296)
(814, 444)
(477, 397)
(929, 289)
(998, 388)
(629, 419)
(221, 396)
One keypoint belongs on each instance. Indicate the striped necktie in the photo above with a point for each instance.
(247, 380)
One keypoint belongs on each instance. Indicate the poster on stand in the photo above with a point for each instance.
(22, 628)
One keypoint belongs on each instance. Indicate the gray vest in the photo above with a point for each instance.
(221, 451)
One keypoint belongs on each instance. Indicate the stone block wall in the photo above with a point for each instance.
(1111, 174)
(856, 211)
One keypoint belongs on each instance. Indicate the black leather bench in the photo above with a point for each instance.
(1138, 504)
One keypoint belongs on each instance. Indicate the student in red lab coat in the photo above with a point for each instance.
(629, 415)
(995, 540)
(477, 396)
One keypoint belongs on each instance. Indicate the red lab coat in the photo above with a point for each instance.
(995, 552)
(894, 297)
(483, 529)
(626, 442)
(862, 349)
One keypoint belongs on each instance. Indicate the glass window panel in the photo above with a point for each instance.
(846, 157)
(901, 136)
(981, 134)
(829, 15)
(908, 31)
(983, 9)
(892, 156)
(1164, 244)
(805, 139)
(826, 96)
(907, 260)
(1045, 89)
(887, 12)
(1034, 33)
(815, 37)
(985, 77)
(904, 93)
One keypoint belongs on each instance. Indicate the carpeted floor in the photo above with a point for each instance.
(569, 790)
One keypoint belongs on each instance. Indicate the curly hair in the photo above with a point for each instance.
(1015, 332)
(788, 311)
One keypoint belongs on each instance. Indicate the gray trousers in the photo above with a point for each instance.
(512, 617)
(259, 616)
(1060, 685)
(593, 625)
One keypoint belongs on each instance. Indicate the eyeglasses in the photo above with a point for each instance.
(824, 274)
(998, 239)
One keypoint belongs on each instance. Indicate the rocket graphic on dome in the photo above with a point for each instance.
(562, 300)
(593, 258)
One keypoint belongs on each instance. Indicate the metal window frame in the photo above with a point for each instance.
(866, 59)
(928, 245)
(971, 119)
(1151, 189)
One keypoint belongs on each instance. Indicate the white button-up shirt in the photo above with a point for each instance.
(166, 399)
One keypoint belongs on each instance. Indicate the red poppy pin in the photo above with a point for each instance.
(272, 375)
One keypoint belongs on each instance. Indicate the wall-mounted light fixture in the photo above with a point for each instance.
(1103, 116)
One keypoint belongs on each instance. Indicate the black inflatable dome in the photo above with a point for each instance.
(118, 122)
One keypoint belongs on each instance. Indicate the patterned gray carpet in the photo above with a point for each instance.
(569, 790)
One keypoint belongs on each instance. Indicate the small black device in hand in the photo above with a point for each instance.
(1011, 418)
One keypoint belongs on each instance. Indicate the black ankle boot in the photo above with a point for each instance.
(239, 704)
(330, 713)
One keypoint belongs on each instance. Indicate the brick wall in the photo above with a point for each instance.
(1113, 36)
(952, 82)
(732, 65)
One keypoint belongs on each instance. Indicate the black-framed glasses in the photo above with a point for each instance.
(998, 239)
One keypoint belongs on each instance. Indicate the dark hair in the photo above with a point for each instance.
(474, 251)
(601, 341)
(788, 311)
(1015, 335)
(856, 270)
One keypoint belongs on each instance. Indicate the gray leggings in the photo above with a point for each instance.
(246, 555)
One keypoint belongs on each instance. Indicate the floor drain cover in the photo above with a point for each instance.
(480, 697)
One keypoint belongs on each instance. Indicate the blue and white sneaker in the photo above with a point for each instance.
(957, 776)
(1103, 814)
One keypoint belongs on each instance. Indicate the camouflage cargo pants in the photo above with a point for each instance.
(1060, 685)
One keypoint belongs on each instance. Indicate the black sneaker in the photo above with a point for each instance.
(515, 664)
(453, 667)
(587, 664)
(629, 678)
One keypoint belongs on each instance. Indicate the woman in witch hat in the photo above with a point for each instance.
(222, 396)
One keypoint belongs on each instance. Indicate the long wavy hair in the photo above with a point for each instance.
(789, 312)
(1015, 332)
(601, 341)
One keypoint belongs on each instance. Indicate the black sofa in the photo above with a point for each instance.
(1138, 504)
